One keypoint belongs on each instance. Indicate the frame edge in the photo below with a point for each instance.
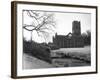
(13, 41)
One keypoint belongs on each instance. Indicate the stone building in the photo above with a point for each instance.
(71, 40)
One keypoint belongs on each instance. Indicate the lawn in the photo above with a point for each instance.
(72, 56)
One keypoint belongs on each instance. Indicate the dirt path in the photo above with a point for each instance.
(30, 62)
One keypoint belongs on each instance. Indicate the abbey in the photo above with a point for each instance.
(70, 40)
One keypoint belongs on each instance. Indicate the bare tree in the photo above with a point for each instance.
(43, 23)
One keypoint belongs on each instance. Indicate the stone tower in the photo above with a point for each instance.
(76, 28)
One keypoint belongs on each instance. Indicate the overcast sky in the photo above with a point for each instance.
(63, 24)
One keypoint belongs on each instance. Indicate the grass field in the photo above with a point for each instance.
(73, 57)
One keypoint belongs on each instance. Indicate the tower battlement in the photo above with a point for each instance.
(76, 28)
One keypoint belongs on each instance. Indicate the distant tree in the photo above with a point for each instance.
(84, 35)
(43, 23)
(27, 46)
(88, 32)
(87, 37)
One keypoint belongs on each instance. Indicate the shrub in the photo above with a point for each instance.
(41, 52)
(37, 50)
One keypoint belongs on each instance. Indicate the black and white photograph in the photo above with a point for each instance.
(55, 38)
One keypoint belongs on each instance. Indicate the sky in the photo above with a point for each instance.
(63, 25)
